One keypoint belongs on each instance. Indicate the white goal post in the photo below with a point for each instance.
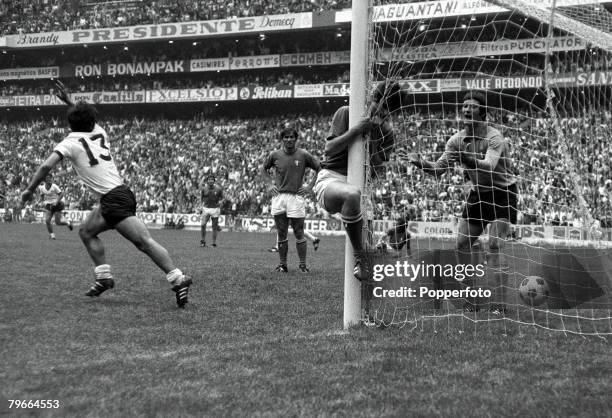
(356, 168)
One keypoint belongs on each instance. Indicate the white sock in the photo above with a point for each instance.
(103, 271)
(175, 276)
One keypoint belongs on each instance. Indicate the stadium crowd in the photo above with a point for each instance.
(60, 15)
(164, 161)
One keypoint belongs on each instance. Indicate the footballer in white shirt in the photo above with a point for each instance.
(52, 200)
(87, 149)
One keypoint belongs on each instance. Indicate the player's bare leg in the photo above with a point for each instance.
(282, 226)
(59, 220)
(468, 232)
(203, 230)
(48, 217)
(215, 230)
(88, 232)
(346, 199)
(497, 264)
(137, 233)
(300, 242)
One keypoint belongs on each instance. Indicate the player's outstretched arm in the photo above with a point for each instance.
(340, 143)
(39, 176)
(433, 168)
(62, 93)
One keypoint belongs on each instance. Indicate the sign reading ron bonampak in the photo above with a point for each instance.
(163, 31)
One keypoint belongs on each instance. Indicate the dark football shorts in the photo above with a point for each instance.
(55, 208)
(117, 205)
(489, 206)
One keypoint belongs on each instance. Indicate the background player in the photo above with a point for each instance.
(314, 239)
(484, 154)
(288, 205)
(53, 204)
(87, 148)
(333, 192)
(398, 236)
(211, 198)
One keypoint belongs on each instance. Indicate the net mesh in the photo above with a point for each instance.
(546, 70)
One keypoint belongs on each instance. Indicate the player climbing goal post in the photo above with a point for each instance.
(542, 71)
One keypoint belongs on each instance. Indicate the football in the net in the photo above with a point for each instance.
(534, 290)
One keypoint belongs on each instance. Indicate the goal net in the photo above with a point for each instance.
(545, 69)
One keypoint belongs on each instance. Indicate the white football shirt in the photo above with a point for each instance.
(51, 194)
(90, 156)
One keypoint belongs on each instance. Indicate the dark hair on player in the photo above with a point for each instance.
(289, 131)
(390, 92)
(211, 176)
(481, 98)
(82, 117)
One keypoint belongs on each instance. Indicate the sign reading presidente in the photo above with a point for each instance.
(187, 29)
(165, 30)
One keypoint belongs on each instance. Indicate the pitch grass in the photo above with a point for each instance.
(256, 343)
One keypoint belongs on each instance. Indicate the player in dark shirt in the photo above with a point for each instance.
(288, 204)
(484, 154)
(211, 197)
(333, 192)
(398, 236)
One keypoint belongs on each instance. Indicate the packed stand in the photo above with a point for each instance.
(235, 148)
(60, 15)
